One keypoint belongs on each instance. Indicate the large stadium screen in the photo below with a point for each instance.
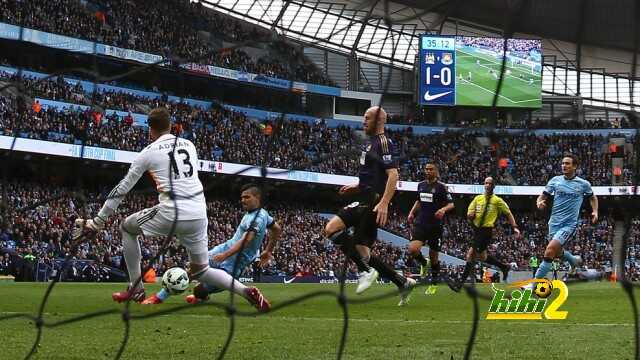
(464, 71)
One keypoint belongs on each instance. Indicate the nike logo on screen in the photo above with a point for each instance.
(289, 281)
(428, 97)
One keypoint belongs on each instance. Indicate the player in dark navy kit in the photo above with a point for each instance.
(378, 178)
(433, 202)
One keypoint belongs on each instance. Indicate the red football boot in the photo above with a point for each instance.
(200, 294)
(258, 300)
(136, 295)
(152, 300)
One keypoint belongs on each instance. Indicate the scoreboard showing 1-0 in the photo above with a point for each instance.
(437, 70)
(466, 71)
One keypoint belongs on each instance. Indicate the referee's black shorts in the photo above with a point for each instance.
(431, 234)
(482, 238)
(360, 215)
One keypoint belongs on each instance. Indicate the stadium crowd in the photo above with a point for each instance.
(617, 122)
(522, 159)
(42, 234)
(62, 89)
(632, 264)
(179, 28)
(224, 135)
(176, 27)
(593, 242)
(497, 44)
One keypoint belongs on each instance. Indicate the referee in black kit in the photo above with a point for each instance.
(433, 202)
(483, 213)
(378, 177)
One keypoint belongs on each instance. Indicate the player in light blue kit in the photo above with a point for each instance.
(568, 192)
(243, 246)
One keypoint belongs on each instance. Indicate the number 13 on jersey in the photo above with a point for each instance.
(437, 70)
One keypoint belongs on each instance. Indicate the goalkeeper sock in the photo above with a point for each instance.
(132, 257)
(570, 258)
(544, 268)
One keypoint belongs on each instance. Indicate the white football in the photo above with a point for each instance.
(175, 280)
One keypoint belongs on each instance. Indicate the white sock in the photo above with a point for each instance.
(216, 278)
(132, 257)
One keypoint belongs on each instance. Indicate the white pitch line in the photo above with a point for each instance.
(454, 321)
(515, 77)
(497, 63)
(493, 93)
(410, 321)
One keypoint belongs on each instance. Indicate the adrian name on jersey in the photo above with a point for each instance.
(169, 145)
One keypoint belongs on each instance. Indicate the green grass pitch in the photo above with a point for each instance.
(599, 326)
(480, 90)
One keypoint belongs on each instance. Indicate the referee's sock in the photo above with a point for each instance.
(387, 272)
(468, 267)
(492, 260)
(435, 272)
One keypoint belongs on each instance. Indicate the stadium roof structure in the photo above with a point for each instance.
(590, 42)
(387, 31)
(609, 24)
